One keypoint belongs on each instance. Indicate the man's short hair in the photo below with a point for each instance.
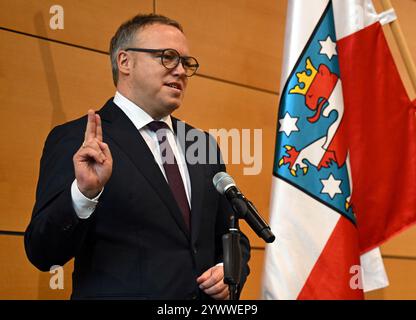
(126, 32)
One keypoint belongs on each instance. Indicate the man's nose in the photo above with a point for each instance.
(180, 69)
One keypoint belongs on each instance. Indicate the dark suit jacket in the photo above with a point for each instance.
(135, 244)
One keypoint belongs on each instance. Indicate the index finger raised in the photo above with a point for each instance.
(90, 131)
(99, 129)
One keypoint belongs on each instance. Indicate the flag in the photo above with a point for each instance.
(343, 176)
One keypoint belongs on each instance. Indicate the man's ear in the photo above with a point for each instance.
(124, 62)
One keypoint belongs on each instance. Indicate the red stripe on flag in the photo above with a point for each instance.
(330, 277)
(380, 124)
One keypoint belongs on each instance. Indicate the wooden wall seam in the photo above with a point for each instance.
(276, 93)
(398, 257)
(11, 233)
(53, 40)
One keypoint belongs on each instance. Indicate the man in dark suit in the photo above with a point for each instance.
(141, 218)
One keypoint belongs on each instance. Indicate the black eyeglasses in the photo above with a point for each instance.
(170, 59)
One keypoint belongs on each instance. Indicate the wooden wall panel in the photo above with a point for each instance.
(20, 280)
(235, 40)
(213, 104)
(403, 244)
(42, 84)
(405, 10)
(252, 288)
(406, 13)
(89, 23)
(402, 277)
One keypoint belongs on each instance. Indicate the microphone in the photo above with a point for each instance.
(225, 185)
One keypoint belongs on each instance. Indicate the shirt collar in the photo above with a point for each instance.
(137, 115)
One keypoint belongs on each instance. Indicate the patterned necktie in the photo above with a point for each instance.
(170, 165)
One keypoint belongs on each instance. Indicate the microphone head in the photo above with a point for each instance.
(222, 181)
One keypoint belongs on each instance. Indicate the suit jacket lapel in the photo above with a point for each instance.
(197, 178)
(118, 127)
(197, 187)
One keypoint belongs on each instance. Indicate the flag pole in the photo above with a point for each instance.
(401, 42)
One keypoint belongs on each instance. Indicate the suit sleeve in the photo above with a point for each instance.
(55, 233)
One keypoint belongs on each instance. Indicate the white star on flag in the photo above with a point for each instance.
(331, 186)
(288, 124)
(328, 47)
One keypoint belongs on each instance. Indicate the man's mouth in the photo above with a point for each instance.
(174, 85)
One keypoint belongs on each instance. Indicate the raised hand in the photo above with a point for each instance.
(93, 163)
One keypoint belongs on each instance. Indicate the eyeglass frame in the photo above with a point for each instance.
(181, 59)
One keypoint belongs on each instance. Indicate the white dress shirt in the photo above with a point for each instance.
(84, 206)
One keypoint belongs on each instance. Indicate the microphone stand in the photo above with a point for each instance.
(232, 250)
